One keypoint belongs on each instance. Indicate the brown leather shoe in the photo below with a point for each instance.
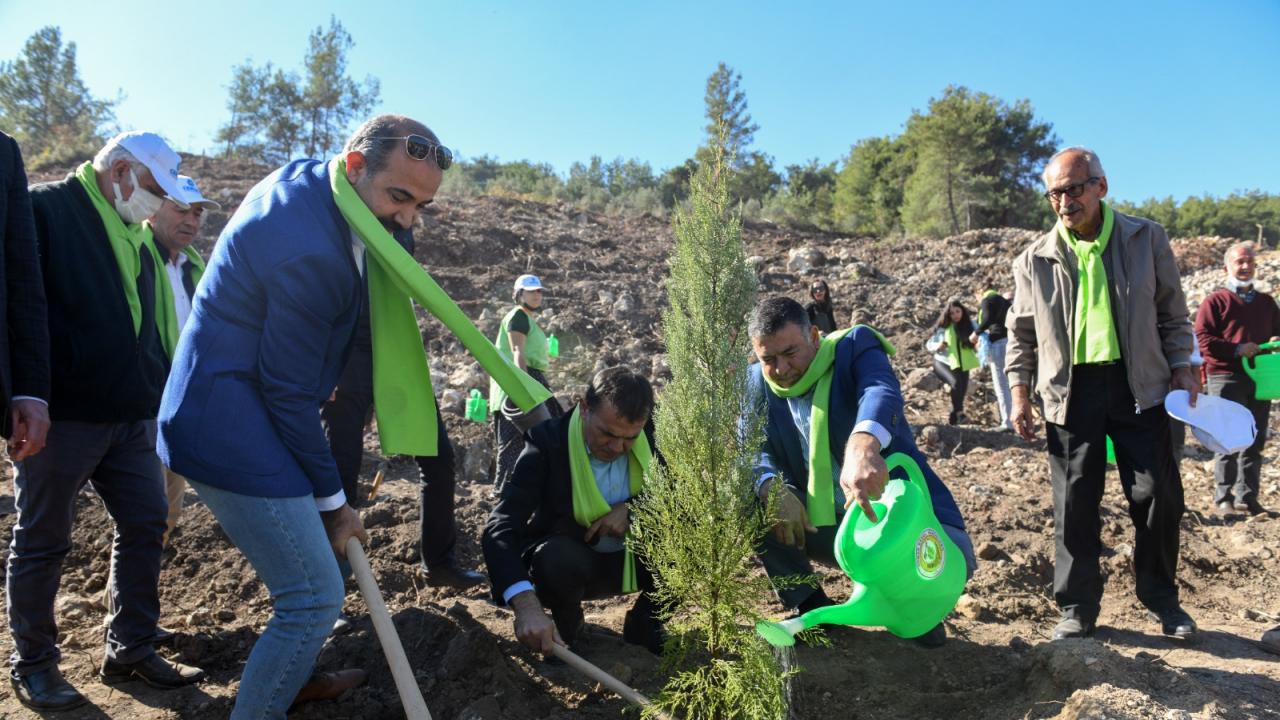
(329, 685)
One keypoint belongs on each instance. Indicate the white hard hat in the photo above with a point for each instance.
(528, 282)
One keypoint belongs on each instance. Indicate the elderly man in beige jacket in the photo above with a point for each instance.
(1099, 324)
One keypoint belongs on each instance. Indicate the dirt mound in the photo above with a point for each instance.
(604, 302)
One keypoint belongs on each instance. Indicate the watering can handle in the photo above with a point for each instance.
(908, 463)
(1269, 345)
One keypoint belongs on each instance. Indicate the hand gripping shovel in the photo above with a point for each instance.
(907, 572)
(415, 708)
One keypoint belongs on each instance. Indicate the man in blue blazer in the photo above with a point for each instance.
(269, 333)
(864, 422)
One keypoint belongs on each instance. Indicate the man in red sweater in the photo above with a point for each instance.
(1230, 324)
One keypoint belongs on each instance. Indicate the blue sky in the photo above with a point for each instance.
(1178, 98)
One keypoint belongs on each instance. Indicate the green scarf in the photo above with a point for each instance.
(959, 356)
(403, 398)
(820, 494)
(1094, 338)
(166, 312)
(126, 241)
(588, 502)
(535, 352)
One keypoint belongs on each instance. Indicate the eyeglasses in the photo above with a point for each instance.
(1071, 191)
(420, 147)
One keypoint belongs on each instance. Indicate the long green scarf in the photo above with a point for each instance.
(403, 398)
(535, 352)
(588, 502)
(820, 493)
(959, 356)
(1094, 338)
(126, 241)
(166, 311)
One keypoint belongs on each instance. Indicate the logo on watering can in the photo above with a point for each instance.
(930, 556)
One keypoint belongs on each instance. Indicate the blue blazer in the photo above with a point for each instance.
(864, 387)
(271, 326)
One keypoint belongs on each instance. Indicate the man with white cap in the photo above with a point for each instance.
(108, 370)
(173, 228)
(1230, 325)
(520, 340)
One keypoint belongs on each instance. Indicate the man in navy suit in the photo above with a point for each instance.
(270, 331)
(864, 423)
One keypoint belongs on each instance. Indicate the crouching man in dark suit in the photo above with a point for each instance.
(557, 535)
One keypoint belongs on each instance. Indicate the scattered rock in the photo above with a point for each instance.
(969, 606)
(924, 380)
(989, 551)
(805, 260)
(453, 402)
(469, 376)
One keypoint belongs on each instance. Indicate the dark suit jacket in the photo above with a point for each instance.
(270, 330)
(864, 387)
(536, 503)
(24, 323)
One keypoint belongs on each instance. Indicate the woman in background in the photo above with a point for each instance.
(954, 355)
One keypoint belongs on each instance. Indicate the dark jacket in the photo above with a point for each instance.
(270, 330)
(24, 325)
(992, 312)
(863, 387)
(102, 370)
(824, 318)
(536, 503)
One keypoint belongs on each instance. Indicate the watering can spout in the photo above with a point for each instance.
(907, 572)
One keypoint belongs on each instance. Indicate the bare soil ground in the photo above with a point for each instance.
(605, 279)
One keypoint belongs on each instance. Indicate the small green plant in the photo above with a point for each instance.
(699, 522)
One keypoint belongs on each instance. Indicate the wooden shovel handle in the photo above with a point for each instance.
(415, 708)
(595, 673)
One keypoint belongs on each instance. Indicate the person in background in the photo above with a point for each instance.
(108, 369)
(180, 267)
(520, 340)
(992, 309)
(1230, 325)
(954, 355)
(822, 314)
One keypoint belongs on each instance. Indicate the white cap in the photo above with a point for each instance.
(528, 282)
(150, 150)
(191, 194)
(1223, 426)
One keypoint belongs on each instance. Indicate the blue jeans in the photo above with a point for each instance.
(285, 542)
(1000, 381)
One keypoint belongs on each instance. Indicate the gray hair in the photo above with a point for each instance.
(1249, 245)
(1095, 165)
(369, 139)
(114, 152)
(774, 314)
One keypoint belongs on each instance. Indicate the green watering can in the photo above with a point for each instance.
(553, 346)
(477, 407)
(1265, 371)
(907, 572)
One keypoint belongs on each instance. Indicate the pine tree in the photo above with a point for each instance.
(699, 523)
(45, 104)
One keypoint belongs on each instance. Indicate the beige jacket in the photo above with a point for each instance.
(1147, 305)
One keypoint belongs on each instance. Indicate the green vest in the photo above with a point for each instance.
(535, 352)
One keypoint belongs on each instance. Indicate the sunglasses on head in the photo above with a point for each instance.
(420, 148)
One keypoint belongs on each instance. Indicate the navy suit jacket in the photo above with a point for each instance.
(863, 387)
(270, 329)
(24, 323)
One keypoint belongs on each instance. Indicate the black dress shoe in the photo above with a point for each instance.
(46, 690)
(817, 599)
(935, 638)
(1071, 626)
(1175, 623)
(639, 627)
(453, 576)
(152, 670)
(163, 636)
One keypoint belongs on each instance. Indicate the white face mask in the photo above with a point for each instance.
(141, 205)
(1238, 285)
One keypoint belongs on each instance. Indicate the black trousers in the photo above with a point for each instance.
(958, 380)
(1237, 476)
(345, 419)
(566, 571)
(1101, 404)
